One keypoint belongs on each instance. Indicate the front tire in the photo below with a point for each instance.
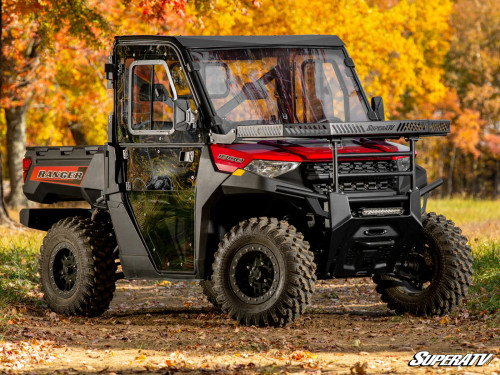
(444, 263)
(264, 273)
(77, 266)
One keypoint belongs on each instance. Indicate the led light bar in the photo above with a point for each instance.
(381, 211)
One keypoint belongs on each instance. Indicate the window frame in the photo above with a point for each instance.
(131, 92)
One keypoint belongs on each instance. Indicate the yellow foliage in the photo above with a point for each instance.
(399, 50)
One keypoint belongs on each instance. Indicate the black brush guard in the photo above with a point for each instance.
(359, 245)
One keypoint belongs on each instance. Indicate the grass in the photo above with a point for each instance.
(465, 210)
(479, 220)
(484, 294)
(18, 266)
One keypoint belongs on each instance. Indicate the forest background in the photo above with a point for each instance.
(427, 59)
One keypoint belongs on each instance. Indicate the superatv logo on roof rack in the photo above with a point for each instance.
(59, 175)
(380, 128)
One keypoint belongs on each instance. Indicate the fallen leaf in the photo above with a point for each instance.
(359, 369)
(445, 320)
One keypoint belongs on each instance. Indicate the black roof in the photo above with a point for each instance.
(192, 42)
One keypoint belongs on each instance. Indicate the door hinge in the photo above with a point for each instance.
(125, 154)
(128, 186)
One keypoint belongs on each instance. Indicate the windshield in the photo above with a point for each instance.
(280, 86)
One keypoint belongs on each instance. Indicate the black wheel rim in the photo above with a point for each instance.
(254, 275)
(63, 270)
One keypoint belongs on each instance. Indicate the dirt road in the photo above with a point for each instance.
(170, 327)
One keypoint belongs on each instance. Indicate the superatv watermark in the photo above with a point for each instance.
(466, 360)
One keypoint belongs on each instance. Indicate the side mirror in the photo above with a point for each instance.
(378, 107)
(183, 116)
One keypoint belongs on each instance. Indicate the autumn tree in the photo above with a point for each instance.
(28, 28)
(470, 161)
(398, 48)
(402, 50)
(54, 53)
(473, 70)
(4, 215)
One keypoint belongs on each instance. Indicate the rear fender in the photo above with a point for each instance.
(44, 218)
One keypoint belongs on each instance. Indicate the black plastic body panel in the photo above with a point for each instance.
(363, 246)
(208, 191)
(89, 189)
(44, 218)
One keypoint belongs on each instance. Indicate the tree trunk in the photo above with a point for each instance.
(78, 134)
(4, 215)
(496, 181)
(451, 171)
(16, 148)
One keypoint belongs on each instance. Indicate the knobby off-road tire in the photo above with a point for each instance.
(77, 266)
(208, 290)
(451, 270)
(264, 273)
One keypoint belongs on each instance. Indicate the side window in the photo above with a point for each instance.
(150, 79)
(152, 95)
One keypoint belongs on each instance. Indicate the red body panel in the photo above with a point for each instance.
(228, 158)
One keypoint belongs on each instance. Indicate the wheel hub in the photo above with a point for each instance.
(64, 270)
(254, 274)
(421, 268)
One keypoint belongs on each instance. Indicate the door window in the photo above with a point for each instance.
(149, 79)
(152, 98)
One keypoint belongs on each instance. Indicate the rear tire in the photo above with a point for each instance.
(446, 259)
(77, 266)
(264, 273)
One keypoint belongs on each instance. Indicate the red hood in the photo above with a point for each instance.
(228, 158)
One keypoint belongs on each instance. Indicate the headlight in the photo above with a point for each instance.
(403, 164)
(268, 168)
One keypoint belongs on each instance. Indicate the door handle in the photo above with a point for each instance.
(186, 156)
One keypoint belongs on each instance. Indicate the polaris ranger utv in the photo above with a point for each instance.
(254, 164)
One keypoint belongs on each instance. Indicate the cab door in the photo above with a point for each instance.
(161, 164)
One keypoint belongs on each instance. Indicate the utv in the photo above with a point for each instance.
(255, 164)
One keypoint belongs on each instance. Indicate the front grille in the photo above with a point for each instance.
(320, 175)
